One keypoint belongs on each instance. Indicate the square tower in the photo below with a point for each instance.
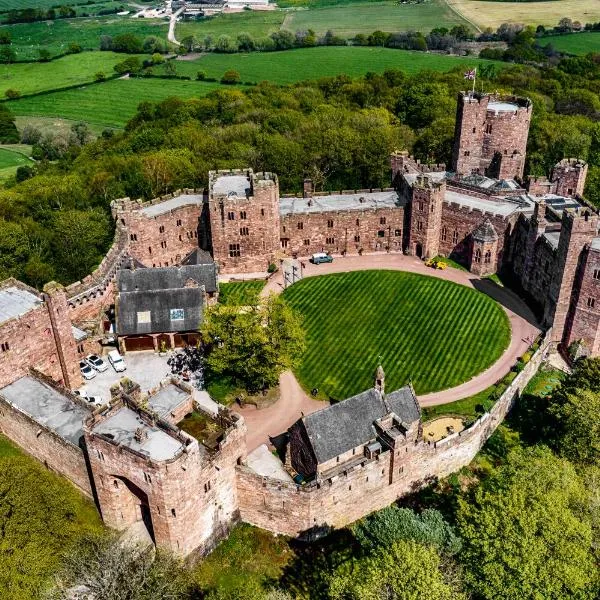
(244, 220)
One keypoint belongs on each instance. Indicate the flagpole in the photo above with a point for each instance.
(474, 78)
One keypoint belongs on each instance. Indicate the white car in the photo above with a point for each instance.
(91, 399)
(96, 362)
(116, 360)
(86, 370)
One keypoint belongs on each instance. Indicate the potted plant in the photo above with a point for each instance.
(162, 348)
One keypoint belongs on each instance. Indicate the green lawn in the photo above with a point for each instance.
(348, 20)
(109, 104)
(10, 161)
(7, 448)
(256, 23)
(311, 63)
(436, 333)
(240, 293)
(55, 36)
(575, 43)
(74, 69)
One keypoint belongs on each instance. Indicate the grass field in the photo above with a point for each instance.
(6, 5)
(55, 36)
(10, 160)
(485, 13)
(311, 63)
(368, 17)
(240, 293)
(7, 448)
(113, 103)
(436, 333)
(74, 69)
(256, 23)
(575, 43)
(110, 104)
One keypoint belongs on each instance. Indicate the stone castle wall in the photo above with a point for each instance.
(294, 509)
(45, 445)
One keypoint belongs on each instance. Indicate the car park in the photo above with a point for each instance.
(96, 363)
(321, 257)
(86, 370)
(116, 360)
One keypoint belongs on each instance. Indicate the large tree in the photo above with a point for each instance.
(252, 346)
(527, 531)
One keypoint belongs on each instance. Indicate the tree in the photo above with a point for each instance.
(127, 42)
(190, 43)
(252, 347)
(226, 44)
(107, 568)
(5, 37)
(245, 42)
(130, 65)
(527, 532)
(12, 94)
(171, 69)
(44, 55)
(7, 54)
(81, 133)
(201, 75)
(8, 129)
(405, 570)
(74, 48)
(230, 77)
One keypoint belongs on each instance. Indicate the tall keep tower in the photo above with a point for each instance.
(426, 216)
(491, 135)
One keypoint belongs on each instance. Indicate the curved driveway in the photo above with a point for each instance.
(294, 401)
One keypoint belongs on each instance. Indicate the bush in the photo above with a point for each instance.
(200, 75)
(230, 77)
(74, 48)
(100, 76)
(272, 268)
(12, 94)
(30, 135)
(526, 357)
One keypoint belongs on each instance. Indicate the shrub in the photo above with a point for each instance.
(74, 48)
(100, 76)
(201, 75)
(230, 77)
(272, 268)
(526, 357)
(30, 135)
(12, 94)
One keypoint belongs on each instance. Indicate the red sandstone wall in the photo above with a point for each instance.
(347, 226)
(55, 453)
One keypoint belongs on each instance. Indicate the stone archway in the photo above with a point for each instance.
(419, 250)
(133, 503)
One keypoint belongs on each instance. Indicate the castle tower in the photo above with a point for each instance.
(484, 250)
(380, 380)
(66, 346)
(426, 216)
(244, 220)
(579, 228)
(491, 135)
(568, 177)
(537, 226)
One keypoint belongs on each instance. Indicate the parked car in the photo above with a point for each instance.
(321, 257)
(86, 370)
(96, 362)
(116, 360)
(97, 400)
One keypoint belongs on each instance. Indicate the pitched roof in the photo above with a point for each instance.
(350, 423)
(164, 278)
(485, 232)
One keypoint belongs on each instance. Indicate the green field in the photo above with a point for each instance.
(10, 160)
(6, 5)
(311, 63)
(574, 43)
(55, 36)
(240, 293)
(110, 104)
(256, 23)
(113, 103)
(432, 332)
(7, 448)
(74, 69)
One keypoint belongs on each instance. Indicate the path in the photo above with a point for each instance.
(459, 14)
(294, 401)
(172, 23)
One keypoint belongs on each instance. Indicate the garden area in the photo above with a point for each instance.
(240, 293)
(432, 332)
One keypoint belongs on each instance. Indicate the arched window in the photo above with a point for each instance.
(488, 258)
(477, 258)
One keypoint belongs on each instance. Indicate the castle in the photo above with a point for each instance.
(132, 455)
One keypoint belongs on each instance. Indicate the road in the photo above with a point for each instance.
(172, 23)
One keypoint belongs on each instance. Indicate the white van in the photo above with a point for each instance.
(116, 360)
(321, 257)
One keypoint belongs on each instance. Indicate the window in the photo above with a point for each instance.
(5, 347)
(358, 222)
(488, 258)
(330, 223)
(569, 191)
(300, 225)
(122, 221)
(243, 214)
(455, 237)
(283, 229)
(207, 487)
(231, 216)
(381, 233)
(596, 273)
(163, 244)
(432, 207)
(397, 232)
(419, 225)
(115, 483)
(161, 229)
(467, 153)
(243, 231)
(591, 302)
(178, 223)
(488, 128)
(133, 237)
(177, 314)
(181, 238)
(357, 238)
(173, 513)
(284, 243)
(307, 242)
(477, 257)
(420, 205)
(147, 478)
(234, 250)
(144, 316)
(262, 212)
(382, 221)
(330, 240)
(444, 234)
(149, 249)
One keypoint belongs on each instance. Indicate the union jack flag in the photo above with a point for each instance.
(470, 74)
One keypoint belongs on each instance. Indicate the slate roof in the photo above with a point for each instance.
(160, 304)
(16, 302)
(350, 423)
(133, 280)
(198, 257)
(485, 232)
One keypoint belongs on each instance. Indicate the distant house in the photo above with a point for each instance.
(158, 307)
